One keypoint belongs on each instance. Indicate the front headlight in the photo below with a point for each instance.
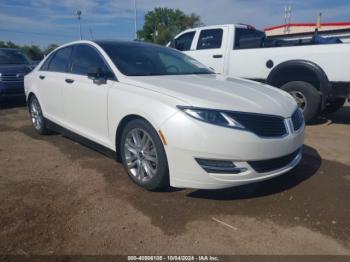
(211, 116)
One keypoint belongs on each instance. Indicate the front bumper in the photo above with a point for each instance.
(11, 91)
(188, 139)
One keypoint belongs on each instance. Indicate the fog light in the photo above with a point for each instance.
(219, 166)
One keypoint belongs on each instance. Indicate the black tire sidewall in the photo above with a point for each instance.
(161, 179)
(311, 94)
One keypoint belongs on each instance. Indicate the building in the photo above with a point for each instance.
(307, 30)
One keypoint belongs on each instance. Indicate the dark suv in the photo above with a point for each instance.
(13, 66)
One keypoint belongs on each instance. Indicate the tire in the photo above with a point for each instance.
(306, 96)
(334, 105)
(38, 120)
(143, 155)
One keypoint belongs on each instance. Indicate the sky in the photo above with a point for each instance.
(42, 22)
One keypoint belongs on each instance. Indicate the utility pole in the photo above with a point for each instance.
(287, 18)
(135, 18)
(318, 23)
(79, 13)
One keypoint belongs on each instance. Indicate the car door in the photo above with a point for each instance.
(50, 82)
(85, 102)
(210, 48)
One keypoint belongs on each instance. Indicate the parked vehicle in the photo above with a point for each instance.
(314, 72)
(165, 115)
(13, 66)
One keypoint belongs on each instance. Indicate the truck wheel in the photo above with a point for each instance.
(334, 105)
(306, 96)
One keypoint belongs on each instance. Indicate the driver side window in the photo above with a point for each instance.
(85, 59)
(184, 42)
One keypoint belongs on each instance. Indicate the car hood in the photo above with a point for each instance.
(15, 69)
(218, 92)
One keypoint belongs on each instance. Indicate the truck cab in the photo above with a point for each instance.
(314, 71)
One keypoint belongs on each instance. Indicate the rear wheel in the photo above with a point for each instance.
(334, 105)
(144, 156)
(306, 96)
(36, 115)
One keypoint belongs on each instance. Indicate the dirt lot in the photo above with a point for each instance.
(59, 197)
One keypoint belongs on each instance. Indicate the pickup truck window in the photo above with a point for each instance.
(248, 38)
(184, 42)
(60, 60)
(210, 39)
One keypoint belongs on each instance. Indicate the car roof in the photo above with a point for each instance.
(124, 43)
(103, 43)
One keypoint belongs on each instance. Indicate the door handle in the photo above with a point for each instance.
(69, 81)
(217, 56)
(42, 77)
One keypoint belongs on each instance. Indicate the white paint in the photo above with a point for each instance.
(251, 63)
(95, 111)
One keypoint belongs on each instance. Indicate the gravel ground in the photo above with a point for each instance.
(59, 197)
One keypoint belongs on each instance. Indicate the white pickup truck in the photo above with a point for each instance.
(316, 72)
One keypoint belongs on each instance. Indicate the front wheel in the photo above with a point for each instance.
(144, 156)
(306, 96)
(36, 115)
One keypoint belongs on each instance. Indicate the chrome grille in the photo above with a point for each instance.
(12, 77)
(261, 125)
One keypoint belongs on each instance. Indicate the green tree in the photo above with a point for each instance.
(162, 24)
(50, 48)
(10, 44)
(33, 52)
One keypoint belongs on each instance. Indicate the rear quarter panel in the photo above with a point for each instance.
(251, 63)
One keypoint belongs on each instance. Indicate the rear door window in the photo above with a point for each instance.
(248, 38)
(60, 61)
(184, 42)
(210, 39)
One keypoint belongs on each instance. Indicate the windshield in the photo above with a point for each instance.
(12, 57)
(144, 60)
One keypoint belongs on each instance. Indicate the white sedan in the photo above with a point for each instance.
(167, 117)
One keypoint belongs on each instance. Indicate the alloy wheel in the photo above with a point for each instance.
(36, 115)
(140, 155)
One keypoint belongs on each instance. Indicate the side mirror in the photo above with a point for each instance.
(99, 77)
